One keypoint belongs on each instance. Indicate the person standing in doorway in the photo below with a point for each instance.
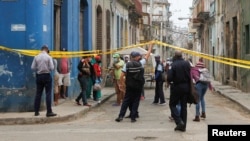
(43, 65)
(63, 68)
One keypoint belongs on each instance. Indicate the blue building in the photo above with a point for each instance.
(28, 24)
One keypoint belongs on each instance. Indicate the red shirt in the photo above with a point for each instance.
(64, 66)
(97, 70)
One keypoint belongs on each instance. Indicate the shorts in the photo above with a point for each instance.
(64, 79)
(56, 83)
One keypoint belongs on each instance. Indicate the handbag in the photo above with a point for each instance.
(97, 87)
(193, 97)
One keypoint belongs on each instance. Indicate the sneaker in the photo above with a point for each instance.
(162, 104)
(77, 102)
(97, 100)
(87, 105)
(154, 103)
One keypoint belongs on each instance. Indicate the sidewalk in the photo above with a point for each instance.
(68, 110)
(235, 95)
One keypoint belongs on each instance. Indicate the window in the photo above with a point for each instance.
(247, 39)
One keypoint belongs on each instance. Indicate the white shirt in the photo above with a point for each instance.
(42, 63)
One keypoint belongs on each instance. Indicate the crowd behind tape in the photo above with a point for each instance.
(70, 54)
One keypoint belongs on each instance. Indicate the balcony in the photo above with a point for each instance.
(196, 22)
(161, 2)
(126, 2)
(202, 9)
(145, 1)
(135, 12)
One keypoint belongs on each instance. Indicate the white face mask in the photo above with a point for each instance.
(116, 59)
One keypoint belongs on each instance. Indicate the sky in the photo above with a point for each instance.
(180, 8)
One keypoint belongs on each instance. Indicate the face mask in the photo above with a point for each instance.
(116, 59)
(99, 61)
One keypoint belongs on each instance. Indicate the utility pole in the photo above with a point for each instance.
(151, 18)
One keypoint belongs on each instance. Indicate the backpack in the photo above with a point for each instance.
(205, 76)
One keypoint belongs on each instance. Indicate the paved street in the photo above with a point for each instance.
(153, 125)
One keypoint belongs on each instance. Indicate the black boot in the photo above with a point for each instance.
(180, 127)
(119, 119)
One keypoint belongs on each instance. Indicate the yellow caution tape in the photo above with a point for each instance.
(60, 54)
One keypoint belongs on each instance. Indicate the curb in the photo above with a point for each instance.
(225, 92)
(45, 120)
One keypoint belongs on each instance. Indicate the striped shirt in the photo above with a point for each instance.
(42, 63)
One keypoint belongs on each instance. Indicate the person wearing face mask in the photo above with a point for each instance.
(118, 65)
(159, 94)
(126, 59)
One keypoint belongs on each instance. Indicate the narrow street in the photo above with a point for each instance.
(153, 125)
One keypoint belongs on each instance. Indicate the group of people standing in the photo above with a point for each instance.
(129, 83)
(181, 74)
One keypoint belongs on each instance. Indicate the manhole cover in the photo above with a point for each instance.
(145, 138)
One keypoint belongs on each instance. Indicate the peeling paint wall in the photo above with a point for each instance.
(21, 30)
(17, 80)
(232, 24)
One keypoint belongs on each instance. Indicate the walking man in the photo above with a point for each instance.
(179, 74)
